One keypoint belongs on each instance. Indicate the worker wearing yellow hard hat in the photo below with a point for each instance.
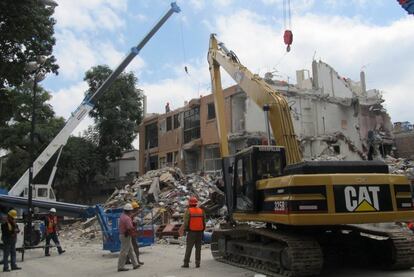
(135, 205)
(135, 219)
(9, 231)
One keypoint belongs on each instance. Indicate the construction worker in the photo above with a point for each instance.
(410, 225)
(126, 229)
(9, 231)
(51, 230)
(135, 220)
(194, 224)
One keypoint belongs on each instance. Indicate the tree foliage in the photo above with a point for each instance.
(117, 112)
(80, 168)
(15, 129)
(26, 32)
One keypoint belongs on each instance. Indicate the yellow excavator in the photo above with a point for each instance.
(289, 217)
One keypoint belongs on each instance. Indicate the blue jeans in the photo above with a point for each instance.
(9, 250)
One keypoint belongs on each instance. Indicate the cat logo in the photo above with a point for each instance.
(362, 198)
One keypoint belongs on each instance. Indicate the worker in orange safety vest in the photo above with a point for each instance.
(410, 225)
(51, 230)
(194, 224)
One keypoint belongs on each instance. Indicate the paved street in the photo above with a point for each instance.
(160, 261)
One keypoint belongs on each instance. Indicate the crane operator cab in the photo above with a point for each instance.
(254, 163)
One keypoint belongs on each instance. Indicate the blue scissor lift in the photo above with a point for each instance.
(109, 221)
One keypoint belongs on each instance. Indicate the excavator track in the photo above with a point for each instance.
(270, 252)
(303, 253)
(399, 245)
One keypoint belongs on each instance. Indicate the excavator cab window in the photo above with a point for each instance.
(244, 183)
(269, 165)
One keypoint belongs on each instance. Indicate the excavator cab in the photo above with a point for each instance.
(250, 165)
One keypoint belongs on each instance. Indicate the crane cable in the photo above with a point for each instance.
(183, 47)
(194, 80)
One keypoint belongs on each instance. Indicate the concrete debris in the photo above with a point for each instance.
(401, 166)
(163, 193)
(168, 188)
(78, 232)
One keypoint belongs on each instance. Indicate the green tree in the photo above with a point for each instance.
(15, 130)
(81, 168)
(117, 112)
(26, 32)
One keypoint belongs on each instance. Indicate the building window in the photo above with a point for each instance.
(176, 121)
(169, 123)
(170, 159)
(191, 124)
(175, 157)
(337, 149)
(153, 162)
(211, 112)
(151, 136)
(212, 160)
(162, 162)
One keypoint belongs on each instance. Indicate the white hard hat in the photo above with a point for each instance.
(52, 210)
(128, 207)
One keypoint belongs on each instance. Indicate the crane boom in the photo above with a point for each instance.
(259, 91)
(85, 107)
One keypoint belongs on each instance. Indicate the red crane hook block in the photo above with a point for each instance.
(288, 39)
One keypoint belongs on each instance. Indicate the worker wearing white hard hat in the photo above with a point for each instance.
(51, 224)
(126, 229)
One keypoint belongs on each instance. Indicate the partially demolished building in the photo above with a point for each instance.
(334, 118)
(404, 139)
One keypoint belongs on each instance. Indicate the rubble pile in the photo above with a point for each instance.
(400, 166)
(164, 194)
(79, 232)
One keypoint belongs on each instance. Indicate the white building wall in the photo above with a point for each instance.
(254, 117)
(127, 166)
(331, 83)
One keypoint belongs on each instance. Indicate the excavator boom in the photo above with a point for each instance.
(257, 90)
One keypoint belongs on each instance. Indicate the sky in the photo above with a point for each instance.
(350, 35)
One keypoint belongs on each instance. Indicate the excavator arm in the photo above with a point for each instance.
(259, 91)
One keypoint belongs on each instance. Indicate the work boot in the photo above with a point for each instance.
(62, 251)
(123, 269)
(136, 266)
(185, 266)
(140, 263)
(6, 270)
(197, 265)
(47, 255)
(16, 268)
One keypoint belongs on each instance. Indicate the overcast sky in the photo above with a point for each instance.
(347, 34)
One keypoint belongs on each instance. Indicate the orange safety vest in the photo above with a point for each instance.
(196, 219)
(51, 224)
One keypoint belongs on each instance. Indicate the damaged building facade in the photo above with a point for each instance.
(332, 116)
(404, 139)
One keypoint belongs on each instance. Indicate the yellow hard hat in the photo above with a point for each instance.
(12, 213)
(135, 204)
